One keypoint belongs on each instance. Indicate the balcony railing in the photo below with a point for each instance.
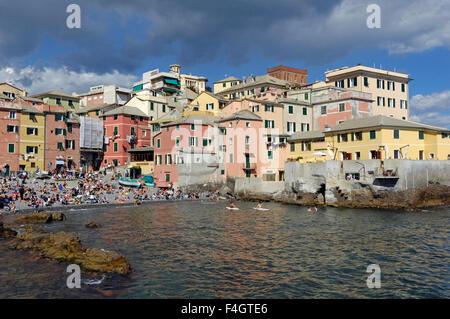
(248, 166)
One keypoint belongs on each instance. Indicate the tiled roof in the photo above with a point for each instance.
(309, 135)
(382, 121)
(241, 115)
(128, 110)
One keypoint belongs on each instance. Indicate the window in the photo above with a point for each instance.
(306, 96)
(396, 134)
(339, 84)
(403, 104)
(389, 101)
(132, 131)
(168, 159)
(268, 108)
(341, 107)
(58, 101)
(164, 108)
(32, 131)
(12, 128)
(58, 117)
(60, 146)
(269, 124)
(380, 84)
(32, 149)
(269, 155)
(222, 172)
(305, 111)
(230, 124)
(421, 135)
(205, 142)
(115, 147)
(12, 114)
(358, 136)
(403, 87)
(247, 124)
(255, 108)
(167, 177)
(192, 127)
(323, 109)
(116, 130)
(292, 147)
(70, 144)
(177, 141)
(291, 109)
(366, 82)
(58, 131)
(193, 141)
(133, 118)
(11, 148)
(151, 106)
(224, 84)
(396, 154)
(291, 127)
(105, 148)
(373, 135)
(158, 143)
(116, 117)
(210, 106)
(352, 82)
(33, 117)
(231, 157)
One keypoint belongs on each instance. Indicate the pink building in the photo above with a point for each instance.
(125, 128)
(62, 136)
(274, 152)
(10, 138)
(242, 144)
(181, 142)
(332, 106)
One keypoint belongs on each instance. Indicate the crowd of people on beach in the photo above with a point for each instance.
(21, 192)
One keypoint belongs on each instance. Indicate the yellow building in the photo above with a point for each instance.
(32, 139)
(375, 137)
(142, 160)
(389, 89)
(226, 84)
(208, 102)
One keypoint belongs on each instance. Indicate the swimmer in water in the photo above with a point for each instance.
(259, 205)
(231, 205)
(309, 209)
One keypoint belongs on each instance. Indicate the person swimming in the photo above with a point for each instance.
(259, 205)
(232, 205)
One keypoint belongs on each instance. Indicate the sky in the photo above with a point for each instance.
(119, 40)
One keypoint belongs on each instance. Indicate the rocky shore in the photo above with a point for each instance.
(367, 197)
(61, 246)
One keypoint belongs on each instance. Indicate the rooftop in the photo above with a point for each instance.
(241, 115)
(126, 110)
(382, 121)
(309, 135)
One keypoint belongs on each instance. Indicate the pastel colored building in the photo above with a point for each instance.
(125, 128)
(187, 140)
(69, 102)
(10, 91)
(32, 139)
(389, 89)
(61, 139)
(242, 144)
(10, 114)
(274, 139)
(142, 160)
(104, 94)
(208, 103)
(226, 84)
(376, 137)
(253, 86)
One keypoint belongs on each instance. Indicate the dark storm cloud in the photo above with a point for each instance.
(122, 35)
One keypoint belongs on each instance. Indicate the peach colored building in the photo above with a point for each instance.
(10, 135)
(274, 153)
(242, 144)
(182, 141)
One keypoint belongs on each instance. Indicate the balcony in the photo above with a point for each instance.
(248, 166)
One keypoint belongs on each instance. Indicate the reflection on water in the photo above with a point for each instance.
(202, 250)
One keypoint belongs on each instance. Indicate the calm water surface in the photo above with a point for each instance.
(202, 250)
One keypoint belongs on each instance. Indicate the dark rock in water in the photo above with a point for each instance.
(92, 225)
(40, 218)
(6, 232)
(58, 216)
(66, 247)
(35, 218)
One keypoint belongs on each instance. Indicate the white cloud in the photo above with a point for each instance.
(439, 100)
(432, 118)
(37, 80)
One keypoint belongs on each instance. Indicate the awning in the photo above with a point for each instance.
(59, 162)
(172, 81)
(169, 89)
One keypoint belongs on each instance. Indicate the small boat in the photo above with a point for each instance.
(260, 208)
(232, 208)
(148, 180)
(128, 182)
